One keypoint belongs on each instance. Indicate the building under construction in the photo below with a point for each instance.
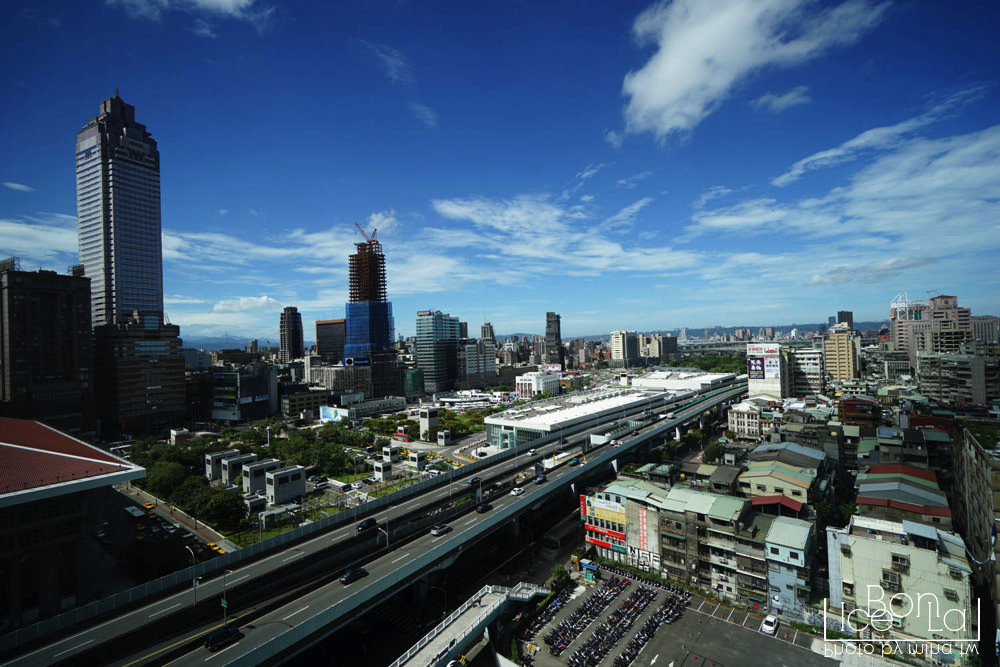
(369, 326)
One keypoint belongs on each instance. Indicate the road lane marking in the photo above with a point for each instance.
(233, 581)
(472, 520)
(731, 612)
(653, 661)
(285, 560)
(220, 652)
(73, 649)
(295, 612)
(401, 557)
(163, 611)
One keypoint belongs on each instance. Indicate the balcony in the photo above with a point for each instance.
(753, 552)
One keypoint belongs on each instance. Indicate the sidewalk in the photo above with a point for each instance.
(178, 516)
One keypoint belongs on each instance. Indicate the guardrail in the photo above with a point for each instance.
(68, 619)
(523, 591)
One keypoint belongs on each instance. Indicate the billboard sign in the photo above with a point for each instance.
(772, 368)
(758, 349)
(332, 414)
(755, 368)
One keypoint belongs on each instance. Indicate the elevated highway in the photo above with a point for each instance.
(276, 634)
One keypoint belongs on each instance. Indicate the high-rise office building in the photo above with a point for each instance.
(46, 348)
(486, 332)
(845, 316)
(331, 336)
(139, 371)
(553, 340)
(841, 353)
(369, 325)
(624, 348)
(118, 212)
(437, 349)
(292, 341)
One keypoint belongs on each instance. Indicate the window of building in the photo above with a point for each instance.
(848, 588)
(774, 550)
(794, 555)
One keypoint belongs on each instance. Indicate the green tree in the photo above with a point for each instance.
(163, 477)
(713, 452)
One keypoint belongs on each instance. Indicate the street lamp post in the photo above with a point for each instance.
(225, 602)
(194, 578)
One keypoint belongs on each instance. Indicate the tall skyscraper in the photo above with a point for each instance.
(139, 371)
(118, 211)
(369, 326)
(624, 348)
(846, 316)
(437, 349)
(292, 343)
(553, 340)
(486, 332)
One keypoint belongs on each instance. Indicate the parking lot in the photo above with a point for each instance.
(707, 634)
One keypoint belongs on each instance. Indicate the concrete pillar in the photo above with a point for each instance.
(677, 433)
(517, 527)
(48, 582)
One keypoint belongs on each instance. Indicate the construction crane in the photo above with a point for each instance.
(370, 239)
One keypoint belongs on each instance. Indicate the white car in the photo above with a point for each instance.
(516, 491)
(770, 625)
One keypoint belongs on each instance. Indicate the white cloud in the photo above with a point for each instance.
(704, 49)
(591, 170)
(424, 114)
(393, 63)
(777, 103)
(384, 221)
(32, 15)
(586, 198)
(256, 212)
(614, 139)
(20, 187)
(177, 299)
(632, 181)
(626, 216)
(223, 211)
(545, 237)
(247, 303)
(251, 11)
(927, 201)
(881, 138)
(47, 240)
(203, 28)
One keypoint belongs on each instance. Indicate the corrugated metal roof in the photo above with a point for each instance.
(789, 532)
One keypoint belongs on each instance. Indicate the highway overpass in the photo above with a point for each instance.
(279, 633)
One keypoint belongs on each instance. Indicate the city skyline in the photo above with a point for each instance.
(808, 160)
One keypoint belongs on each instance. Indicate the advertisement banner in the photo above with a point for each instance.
(758, 349)
(605, 531)
(583, 505)
(643, 537)
(605, 509)
(600, 543)
(772, 368)
(755, 368)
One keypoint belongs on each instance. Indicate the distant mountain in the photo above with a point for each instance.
(703, 332)
(214, 343)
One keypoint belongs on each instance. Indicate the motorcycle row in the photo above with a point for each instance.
(614, 627)
(547, 614)
(573, 625)
(606, 636)
(669, 611)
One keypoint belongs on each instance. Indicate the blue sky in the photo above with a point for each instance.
(629, 165)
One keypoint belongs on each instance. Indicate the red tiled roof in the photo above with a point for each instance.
(900, 469)
(906, 507)
(33, 455)
(778, 499)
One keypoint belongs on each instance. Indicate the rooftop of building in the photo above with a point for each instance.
(787, 451)
(37, 462)
(789, 532)
(778, 470)
(548, 414)
(680, 499)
